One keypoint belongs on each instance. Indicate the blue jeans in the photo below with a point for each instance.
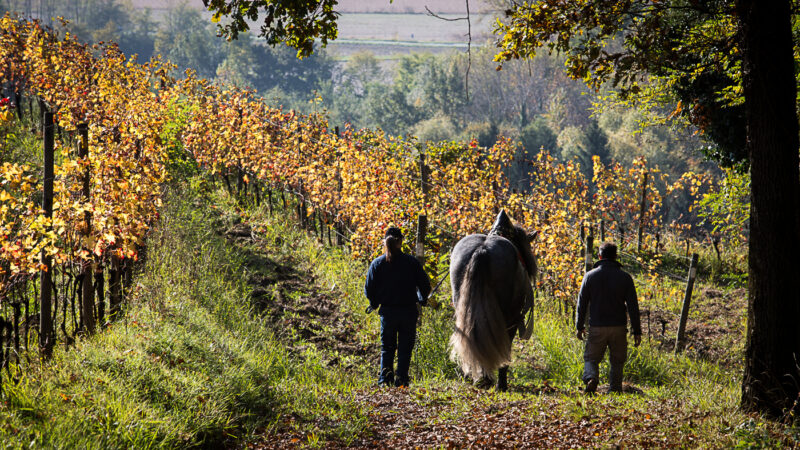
(398, 333)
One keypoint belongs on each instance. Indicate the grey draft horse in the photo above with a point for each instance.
(490, 277)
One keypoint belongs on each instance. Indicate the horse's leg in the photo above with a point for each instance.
(502, 373)
(502, 379)
(485, 381)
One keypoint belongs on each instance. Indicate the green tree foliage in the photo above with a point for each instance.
(294, 22)
(728, 209)
(188, 41)
(249, 63)
(582, 144)
(439, 128)
(537, 135)
(671, 51)
(351, 87)
(139, 37)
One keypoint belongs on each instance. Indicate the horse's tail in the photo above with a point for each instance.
(480, 342)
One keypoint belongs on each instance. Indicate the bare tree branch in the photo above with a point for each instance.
(469, 40)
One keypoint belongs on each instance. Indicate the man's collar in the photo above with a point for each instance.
(606, 262)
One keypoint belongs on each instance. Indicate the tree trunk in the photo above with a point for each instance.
(772, 354)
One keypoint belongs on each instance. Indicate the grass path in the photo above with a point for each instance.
(671, 401)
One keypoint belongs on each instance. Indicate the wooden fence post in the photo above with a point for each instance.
(423, 176)
(422, 231)
(100, 290)
(687, 300)
(115, 289)
(328, 227)
(87, 288)
(715, 242)
(583, 231)
(588, 250)
(46, 336)
(602, 230)
(642, 206)
(18, 105)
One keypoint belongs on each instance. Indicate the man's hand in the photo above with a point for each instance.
(637, 339)
(580, 334)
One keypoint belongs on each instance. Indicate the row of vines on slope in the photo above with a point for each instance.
(361, 180)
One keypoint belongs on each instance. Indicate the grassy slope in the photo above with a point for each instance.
(190, 365)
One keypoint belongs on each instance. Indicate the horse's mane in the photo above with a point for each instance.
(519, 237)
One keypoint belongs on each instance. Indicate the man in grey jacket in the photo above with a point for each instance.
(607, 292)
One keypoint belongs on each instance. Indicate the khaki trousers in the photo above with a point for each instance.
(616, 339)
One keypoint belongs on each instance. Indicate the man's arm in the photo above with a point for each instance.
(423, 284)
(369, 287)
(582, 308)
(632, 302)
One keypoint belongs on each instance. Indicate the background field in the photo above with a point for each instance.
(389, 29)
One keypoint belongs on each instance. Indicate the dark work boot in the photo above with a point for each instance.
(386, 378)
(591, 386)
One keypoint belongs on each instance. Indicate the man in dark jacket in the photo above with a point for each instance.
(396, 283)
(606, 293)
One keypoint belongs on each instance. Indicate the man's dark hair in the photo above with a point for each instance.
(608, 250)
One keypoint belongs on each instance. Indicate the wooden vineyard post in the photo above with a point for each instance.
(115, 289)
(100, 289)
(687, 299)
(423, 176)
(46, 336)
(18, 105)
(337, 224)
(588, 250)
(87, 290)
(328, 227)
(715, 242)
(642, 206)
(422, 230)
(602, 230)
(314, 219)
(422, 220)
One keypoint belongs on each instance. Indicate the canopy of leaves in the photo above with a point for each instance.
(676, 51)
(294, 22)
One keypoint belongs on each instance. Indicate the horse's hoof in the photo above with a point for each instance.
(484, 383)
(502, 387)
